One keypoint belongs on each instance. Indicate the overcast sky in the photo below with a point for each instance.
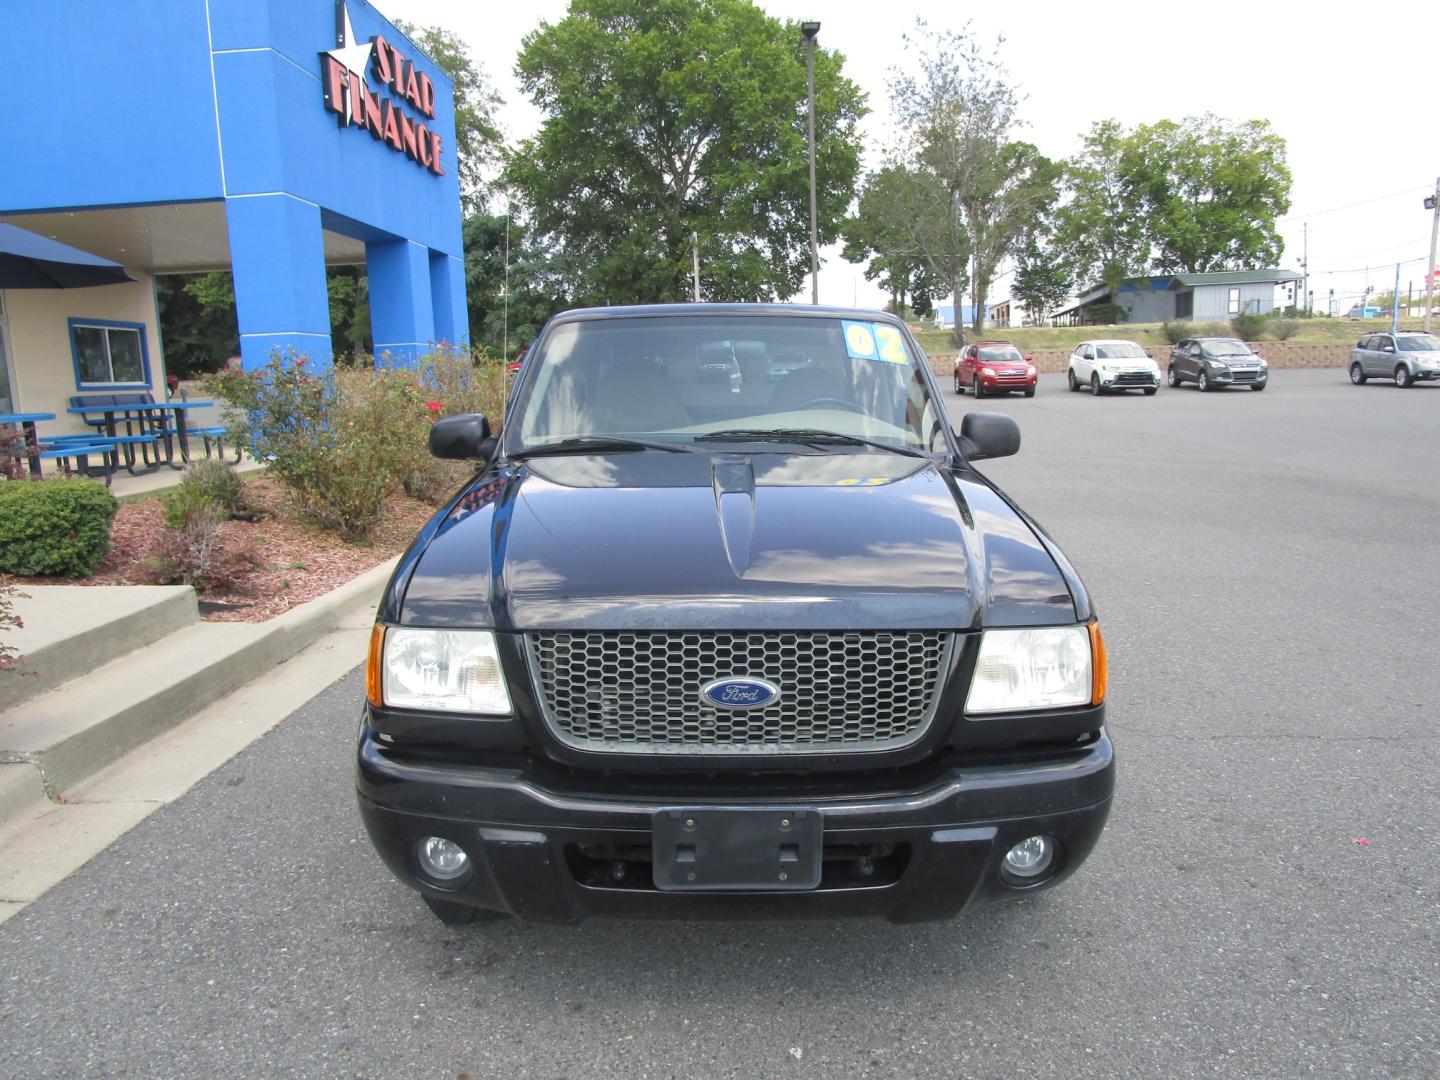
(1319, 79)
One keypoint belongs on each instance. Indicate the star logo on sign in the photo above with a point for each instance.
(354, 58)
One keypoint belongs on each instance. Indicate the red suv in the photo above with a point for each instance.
(994, 367)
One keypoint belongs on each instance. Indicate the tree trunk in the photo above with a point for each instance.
(958, 334)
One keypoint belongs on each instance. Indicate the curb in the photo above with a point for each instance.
(232, 658)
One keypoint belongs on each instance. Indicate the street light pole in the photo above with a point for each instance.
(808, 32)
(1434, 204)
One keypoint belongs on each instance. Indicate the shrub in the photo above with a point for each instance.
(343, 440)
(207, 483)
(1106, 314)
(10, 657)
(1248, 327)
(12, 452)
(1284, 329)
(1177, 331)
(198, 554)
(58, 526)
(450, 381)
(337, 440)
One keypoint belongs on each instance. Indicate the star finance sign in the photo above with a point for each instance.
(348, 95)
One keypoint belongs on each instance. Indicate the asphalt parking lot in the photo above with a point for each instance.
(1265, 901)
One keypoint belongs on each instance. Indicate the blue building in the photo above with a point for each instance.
(267, 137)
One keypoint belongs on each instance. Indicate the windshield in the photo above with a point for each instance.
(1123, 351)
(1227, 347)
(673, 378)
(1001, 352)
(1419, 343)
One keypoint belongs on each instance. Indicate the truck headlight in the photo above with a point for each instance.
(1052, 667)
(443, 670)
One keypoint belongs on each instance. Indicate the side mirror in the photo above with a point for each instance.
(465, 436)
(1029, 358)
(988, 435)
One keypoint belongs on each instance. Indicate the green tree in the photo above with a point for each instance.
(477, 135)
(1101, 228)
(972, 189)
(1001, 209)
(1194, 196)
(535, 290)
(877, 236)
(1042, 280)
(664, 117)
(197, 322)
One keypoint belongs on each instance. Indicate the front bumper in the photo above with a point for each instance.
(530, 844)
(1129, 380)
(998, 383)
(1248, 377)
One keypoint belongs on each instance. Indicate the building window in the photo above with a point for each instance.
(1234, 308)
(109, 354)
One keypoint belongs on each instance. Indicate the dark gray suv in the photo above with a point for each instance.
(1403, 357)
(1213, 363)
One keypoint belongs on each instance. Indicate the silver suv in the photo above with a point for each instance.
(1404, 357)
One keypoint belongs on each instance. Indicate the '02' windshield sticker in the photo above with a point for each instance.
(873, 341)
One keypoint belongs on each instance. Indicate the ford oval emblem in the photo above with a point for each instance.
(740, 693)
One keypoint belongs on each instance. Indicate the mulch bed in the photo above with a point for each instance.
(299, 560)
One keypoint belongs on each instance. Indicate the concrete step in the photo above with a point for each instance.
(70, 630)
(71, 732)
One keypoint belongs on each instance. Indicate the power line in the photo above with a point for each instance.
(1351, 206)
(1373, 266)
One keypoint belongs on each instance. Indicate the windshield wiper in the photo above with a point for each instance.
(804, 436)
(598, 444)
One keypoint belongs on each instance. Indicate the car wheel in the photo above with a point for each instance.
(1204, 384)
(1357, 375)
(1070, 380)
(978, 389)
(1151, 391)
(1030, 391)
(1095, 385)
(958, 388)
(1403, 377)
(1172, 377)
(453, 914)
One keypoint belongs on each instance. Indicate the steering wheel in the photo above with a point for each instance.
(848, 406)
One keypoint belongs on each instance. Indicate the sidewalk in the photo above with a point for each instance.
(133, 699)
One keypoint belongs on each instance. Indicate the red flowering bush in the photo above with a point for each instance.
(343, 441)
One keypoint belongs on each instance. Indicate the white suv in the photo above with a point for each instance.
(1112, 365)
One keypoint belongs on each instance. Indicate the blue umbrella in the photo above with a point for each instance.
(28, 261)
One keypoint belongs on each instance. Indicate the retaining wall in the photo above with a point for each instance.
(1279, 354)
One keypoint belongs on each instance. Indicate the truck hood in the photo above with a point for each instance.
(712, 541)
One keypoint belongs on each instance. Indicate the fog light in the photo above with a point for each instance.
(1030, 858)
(441, 859)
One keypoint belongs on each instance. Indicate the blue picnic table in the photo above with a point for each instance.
(26, 422)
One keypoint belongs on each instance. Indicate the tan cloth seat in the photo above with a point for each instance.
(636, 395)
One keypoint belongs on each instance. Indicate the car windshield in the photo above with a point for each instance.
(1419, 343)
(678, 377)
(1227, 347)
(1120, 351)
(1001, 352)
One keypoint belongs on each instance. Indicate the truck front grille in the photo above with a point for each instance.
(639, 691)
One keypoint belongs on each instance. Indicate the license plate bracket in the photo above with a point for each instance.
(770, 849)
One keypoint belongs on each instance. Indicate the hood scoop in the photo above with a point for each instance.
(733, 479)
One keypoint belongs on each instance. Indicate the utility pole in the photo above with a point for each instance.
(695, 271)
(1305, 269)
(808, 32)
(1432, 203)
(1395, 303)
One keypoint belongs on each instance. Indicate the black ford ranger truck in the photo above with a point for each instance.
(726, 625)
